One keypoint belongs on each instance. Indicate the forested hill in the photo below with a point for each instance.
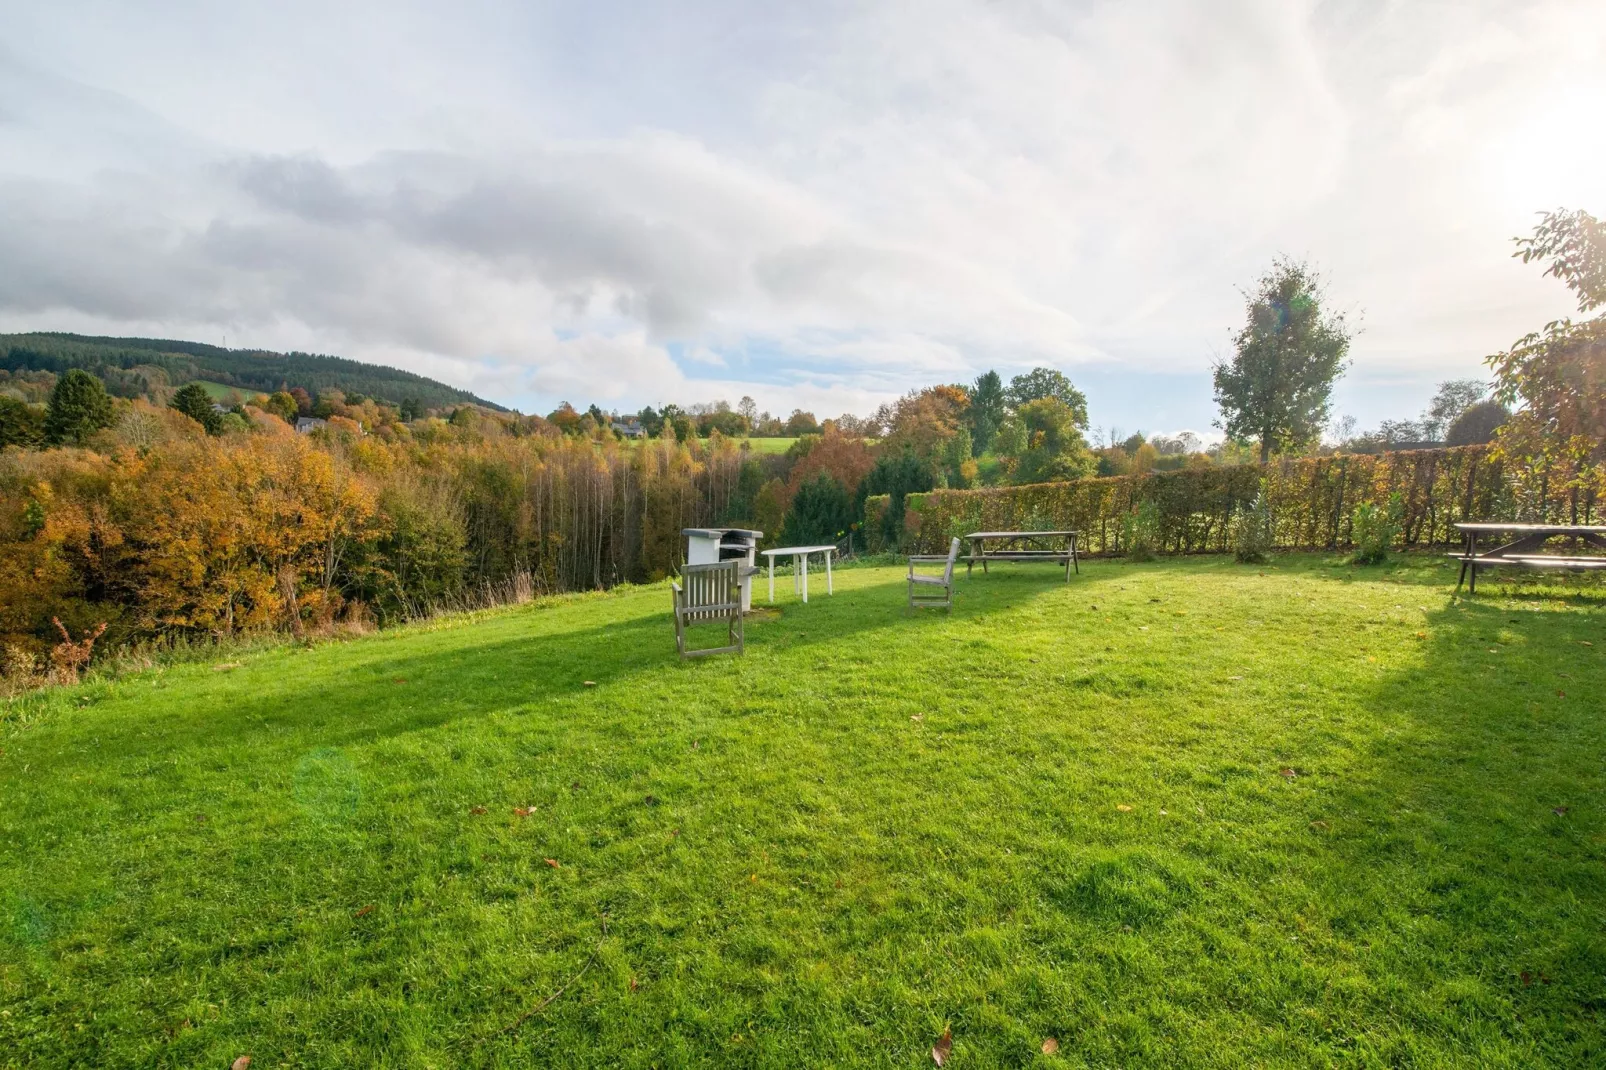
(121, 362)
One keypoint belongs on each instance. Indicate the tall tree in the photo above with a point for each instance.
(79, 406)
(988, 407)
(1277, 387)
(193, 401)
(1048, 383)
(1454, 397)
(20, 424)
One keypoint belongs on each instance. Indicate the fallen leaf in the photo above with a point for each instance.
(1559, 811)
(523, 811)
(944, 1045)
(399, 680)
(591, 683)
(1421, 635)
(575, 786)
(1235, 677)
(477, 810)
(553, 862)
(200, 817)
(917, 717)
(1561, 694)
(1492, 650)
(1527, 978)
(1585, 642)
(651, 800)
(1321, 825)
(365, 911)
(675, 832)
(1163, 812)
(633, 985)
(241, 1063)
(1050, 1046)
(1123, 807)
(1287, 772)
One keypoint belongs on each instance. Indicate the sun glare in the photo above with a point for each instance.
(1557, 155)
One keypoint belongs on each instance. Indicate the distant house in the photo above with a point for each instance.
(306, 425)
(220, 409)
(629, 429)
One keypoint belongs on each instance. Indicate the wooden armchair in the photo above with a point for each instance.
(712, 593)
(934, 591)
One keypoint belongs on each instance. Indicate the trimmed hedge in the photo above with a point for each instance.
(1311, 501)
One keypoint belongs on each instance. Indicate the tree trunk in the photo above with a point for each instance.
(1265, 450)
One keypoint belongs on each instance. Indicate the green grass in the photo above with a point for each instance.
(222, 392)
(770, 445)
(872, 827)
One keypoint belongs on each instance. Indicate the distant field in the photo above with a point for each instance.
(770, 445)
(219, 392)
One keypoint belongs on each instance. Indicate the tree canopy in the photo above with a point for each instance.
(1277, 387)
(79, 406)
(1048, 383)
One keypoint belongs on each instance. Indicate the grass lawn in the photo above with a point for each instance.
(1188, 813)
(223, 392)
(770, 445)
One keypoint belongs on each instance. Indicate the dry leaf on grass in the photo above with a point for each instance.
(1123, 807)
(1318, 825)
(523, 811)
(591, 683)
(633, 984)
(944, 1045)
(365, 911)
(1561, 694)
(1050, 1046)
(553, 862)
(1559, 811)
(241, 1063)
(477, 810)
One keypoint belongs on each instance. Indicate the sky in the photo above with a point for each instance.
(821, 205)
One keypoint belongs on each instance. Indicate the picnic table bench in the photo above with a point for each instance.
(1524, 551)
(1023, 546)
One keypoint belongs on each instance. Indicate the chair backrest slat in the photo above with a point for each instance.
(953, 555)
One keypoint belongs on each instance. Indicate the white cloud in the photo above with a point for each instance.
(824, 206)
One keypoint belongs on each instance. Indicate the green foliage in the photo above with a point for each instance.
(79, 406)
(1251, 531)
(1140, 532)
(1575, 244)
(701, 816)
(283, 405)
(1374, 528)
(988, 407)
(252, 371)
(1276, 388)
(1477, 424)
(1048, 383)
(20, 424)
(1453, 398)
(193, 401)
(1055, 449)
(896, 475)
(821, 513)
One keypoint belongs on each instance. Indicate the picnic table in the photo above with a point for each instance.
(800, 566)
(1524, 550)
(1055, 546)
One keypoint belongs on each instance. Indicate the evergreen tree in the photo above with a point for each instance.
(20, 424)
(193, 401)
(821, 513)
(988, 408)
(79, 406)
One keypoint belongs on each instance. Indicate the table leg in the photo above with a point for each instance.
(828, 573)
(772, 579)
(803, 559)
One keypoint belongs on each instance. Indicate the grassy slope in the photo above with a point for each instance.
(223, 392)
(871, 826)
(770, 445)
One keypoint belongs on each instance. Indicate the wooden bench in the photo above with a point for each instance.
(1523, 551)
(1023, 546)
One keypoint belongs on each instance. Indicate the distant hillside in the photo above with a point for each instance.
(115, 361)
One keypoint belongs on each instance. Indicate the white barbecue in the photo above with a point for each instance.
(709, 546)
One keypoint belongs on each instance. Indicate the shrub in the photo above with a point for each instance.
(1374, 529)
(1140, 531)
(1251, 531)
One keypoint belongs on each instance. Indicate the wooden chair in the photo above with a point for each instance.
(711, 593)
(934, 591)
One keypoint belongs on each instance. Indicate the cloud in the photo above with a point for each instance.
(828, 202)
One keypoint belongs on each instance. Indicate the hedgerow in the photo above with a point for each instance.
(1311, 500)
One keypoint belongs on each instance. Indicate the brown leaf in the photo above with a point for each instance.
(633, 984)
(1050, 1046)
(524, 811)
(1561, 694)
(399, 680)
(553, 862)
(365, 911)
(944, 1045)
(1559, 811)
(1319, 825)
(591, 683)
(1527, 978)
(1123, 807)
(477, 810)
(1287, 773)
(241, 1063)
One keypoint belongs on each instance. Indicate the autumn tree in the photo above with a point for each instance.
(20, 424)
(1055, 449)
(1558, 375)
(79, 406)
(1277, 387)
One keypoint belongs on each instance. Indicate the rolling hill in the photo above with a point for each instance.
(123, 364)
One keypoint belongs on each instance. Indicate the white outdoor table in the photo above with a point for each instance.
(800, 567)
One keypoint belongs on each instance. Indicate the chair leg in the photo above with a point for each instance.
(1463, 577)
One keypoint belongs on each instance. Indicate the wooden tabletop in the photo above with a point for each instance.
(1014, 534)
(1536, 529)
